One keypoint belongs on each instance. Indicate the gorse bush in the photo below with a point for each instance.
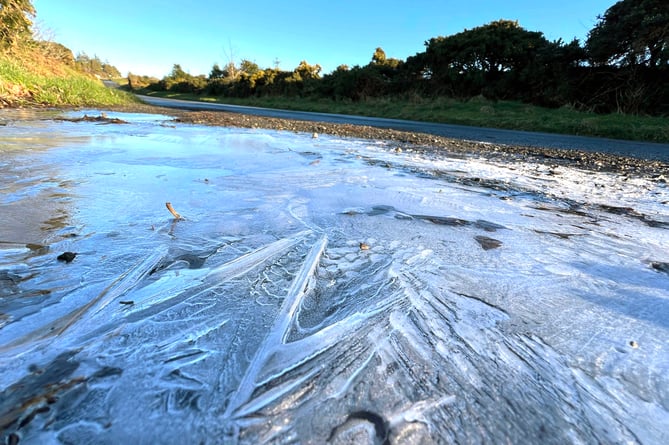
(623, 67)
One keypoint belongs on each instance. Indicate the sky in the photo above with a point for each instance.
(148, 37)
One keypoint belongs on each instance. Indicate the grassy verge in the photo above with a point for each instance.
(475, 112)
(30, 78)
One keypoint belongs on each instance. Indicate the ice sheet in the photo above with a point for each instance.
(322, 290)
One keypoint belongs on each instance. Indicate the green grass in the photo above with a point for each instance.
(475, 112)
(38, 81)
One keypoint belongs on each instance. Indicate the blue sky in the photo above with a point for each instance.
(150, 36)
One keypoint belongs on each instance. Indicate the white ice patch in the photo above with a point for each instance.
(323, 290)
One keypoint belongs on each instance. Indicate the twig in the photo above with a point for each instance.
(172, 211)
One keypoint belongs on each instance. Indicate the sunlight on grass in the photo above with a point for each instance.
(23, 83)
(477, 111)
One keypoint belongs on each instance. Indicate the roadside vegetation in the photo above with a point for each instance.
(42, 73)
(477, 111)
(49, 82)
(614, 84)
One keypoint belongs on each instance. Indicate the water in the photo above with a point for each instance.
(321, 289)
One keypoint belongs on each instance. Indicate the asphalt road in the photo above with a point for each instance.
(641, 150)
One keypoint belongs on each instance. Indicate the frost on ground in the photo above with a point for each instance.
(322, 290)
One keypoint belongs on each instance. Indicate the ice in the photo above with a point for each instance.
(374, 296)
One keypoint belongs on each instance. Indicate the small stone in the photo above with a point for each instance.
(660, 266)
(314, 136)
(13, 439)
(634, 344)
(68, 257)
(364, 246)
(488, 243)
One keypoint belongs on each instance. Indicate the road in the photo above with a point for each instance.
(641, 150)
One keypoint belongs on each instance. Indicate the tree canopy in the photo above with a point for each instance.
(631, 32)
(623, 66)
(95, 66)
(500, 60)
(499, 46)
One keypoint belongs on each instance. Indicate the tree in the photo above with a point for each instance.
(487, 59)
(181, 82)
(629, 52)
(379, 59)
(217, 72)
(499, 46)
(177, 73)
(15, 21)
(304, 71)
(248, 67)
(631, 32)
(57, 51)
(136, 82)
(89, 65)
(109, 71)
(379, 56)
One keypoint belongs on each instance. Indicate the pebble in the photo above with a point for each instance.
(68, 257)
(421, 142)
(488, 243)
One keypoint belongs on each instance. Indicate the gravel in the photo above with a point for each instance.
(428, 143)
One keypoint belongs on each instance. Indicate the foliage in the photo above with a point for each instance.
(627, 69)
(38, 72)
(34, 78)
(56, 51)
(248, 67)
(137, 82)
(95, 67)
(379, 56)
(382, 76)
(629, 50)
(498, 60)
(182, 82)
(15, 21)
(476, 111)
(631, 32)
(306, 72)
(217, 73)
(489, 50)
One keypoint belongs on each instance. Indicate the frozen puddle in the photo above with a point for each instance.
(322, 290)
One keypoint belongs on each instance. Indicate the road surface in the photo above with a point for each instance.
(642, 150)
